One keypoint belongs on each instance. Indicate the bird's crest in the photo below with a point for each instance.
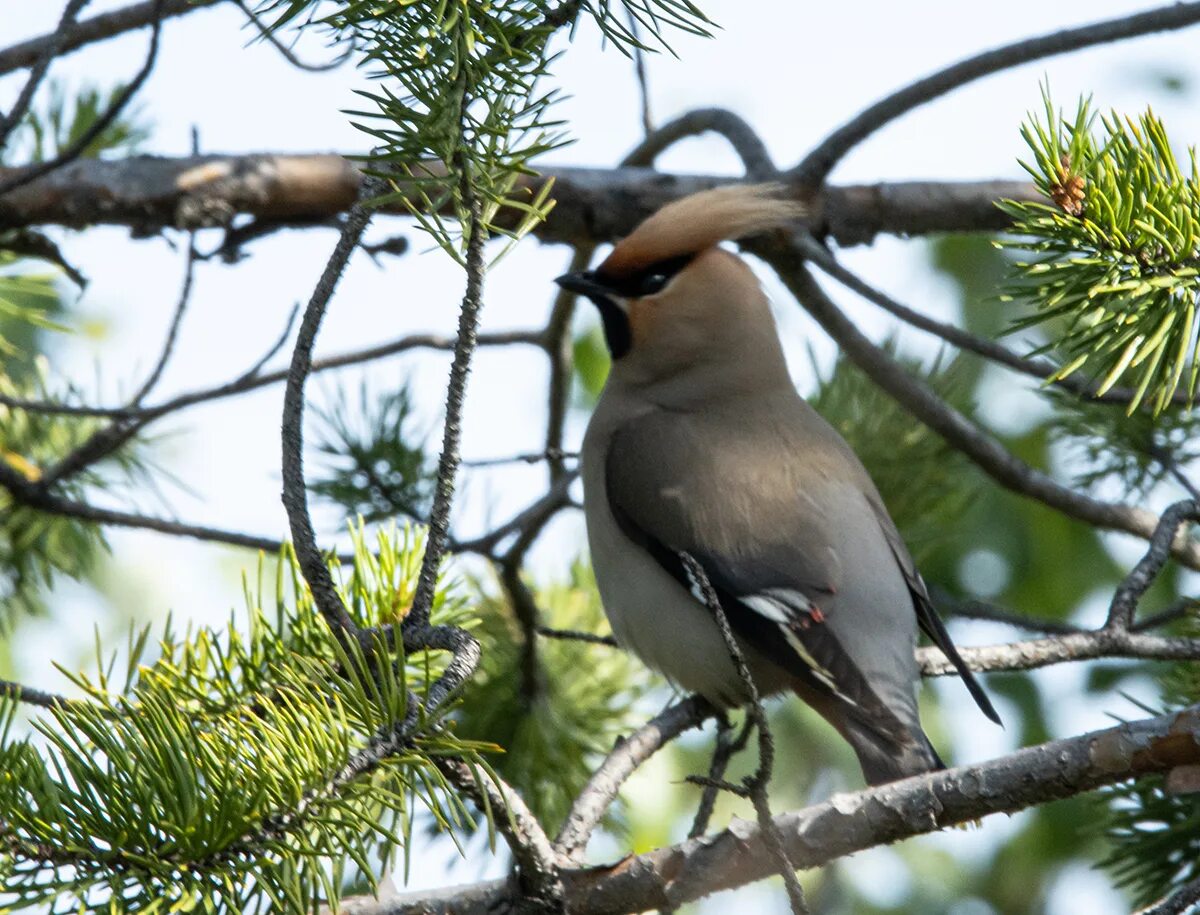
(695, 223)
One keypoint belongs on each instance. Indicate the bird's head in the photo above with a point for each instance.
(673, 303)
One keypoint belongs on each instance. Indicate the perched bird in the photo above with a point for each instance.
(700, 444)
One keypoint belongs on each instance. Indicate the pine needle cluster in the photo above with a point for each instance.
(1114, 277)
(241, 769)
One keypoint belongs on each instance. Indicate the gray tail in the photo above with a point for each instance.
(885, 759)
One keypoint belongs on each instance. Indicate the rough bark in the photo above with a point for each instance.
(846, 823)
(594, 205)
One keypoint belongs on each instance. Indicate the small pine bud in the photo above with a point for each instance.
(1068, 192)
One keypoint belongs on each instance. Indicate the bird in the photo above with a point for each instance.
(701, 448)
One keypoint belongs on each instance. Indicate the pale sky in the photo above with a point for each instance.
(794, 70)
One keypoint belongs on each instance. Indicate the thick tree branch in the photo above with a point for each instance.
(848, 823)
(594, 205)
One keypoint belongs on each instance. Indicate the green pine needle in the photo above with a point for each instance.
(1115, 276)
(554, 724)
(34, 545)
(221, 776)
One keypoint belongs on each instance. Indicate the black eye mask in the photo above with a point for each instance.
(600, 288)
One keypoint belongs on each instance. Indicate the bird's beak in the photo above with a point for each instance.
(585, 284)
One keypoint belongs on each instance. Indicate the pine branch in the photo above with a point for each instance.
(848, 823)
(592, 205)
(1115, 253)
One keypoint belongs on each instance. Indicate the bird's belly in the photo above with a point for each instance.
(660, 622)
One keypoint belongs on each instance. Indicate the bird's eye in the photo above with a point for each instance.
(653, 283)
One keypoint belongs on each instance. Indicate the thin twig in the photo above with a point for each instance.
(560, 348)
(629, 753)
(52, 48)
(525, 609)
(295, 493)
(1124, 603)
(252, 374)
(31, 696)
(460, 367)
(730, 125)
(1183, 607)
(96, 128)
(251, 380)
(268, 35)
(35, 496)
(727, 747)
(97, 28)
(816, 166)
(534, 457)
(755, 786)
(574, 635)
(557, 497)
(639, 71)
(981, 610)
(964, 340)
(185, 294)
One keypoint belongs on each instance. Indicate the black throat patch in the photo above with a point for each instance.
(617, 332)
(650, 280)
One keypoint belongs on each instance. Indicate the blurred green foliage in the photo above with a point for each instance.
(922, 479)
(555, 729)
(218, 776)
(375, 462)
(65, 116)
(35, 545)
